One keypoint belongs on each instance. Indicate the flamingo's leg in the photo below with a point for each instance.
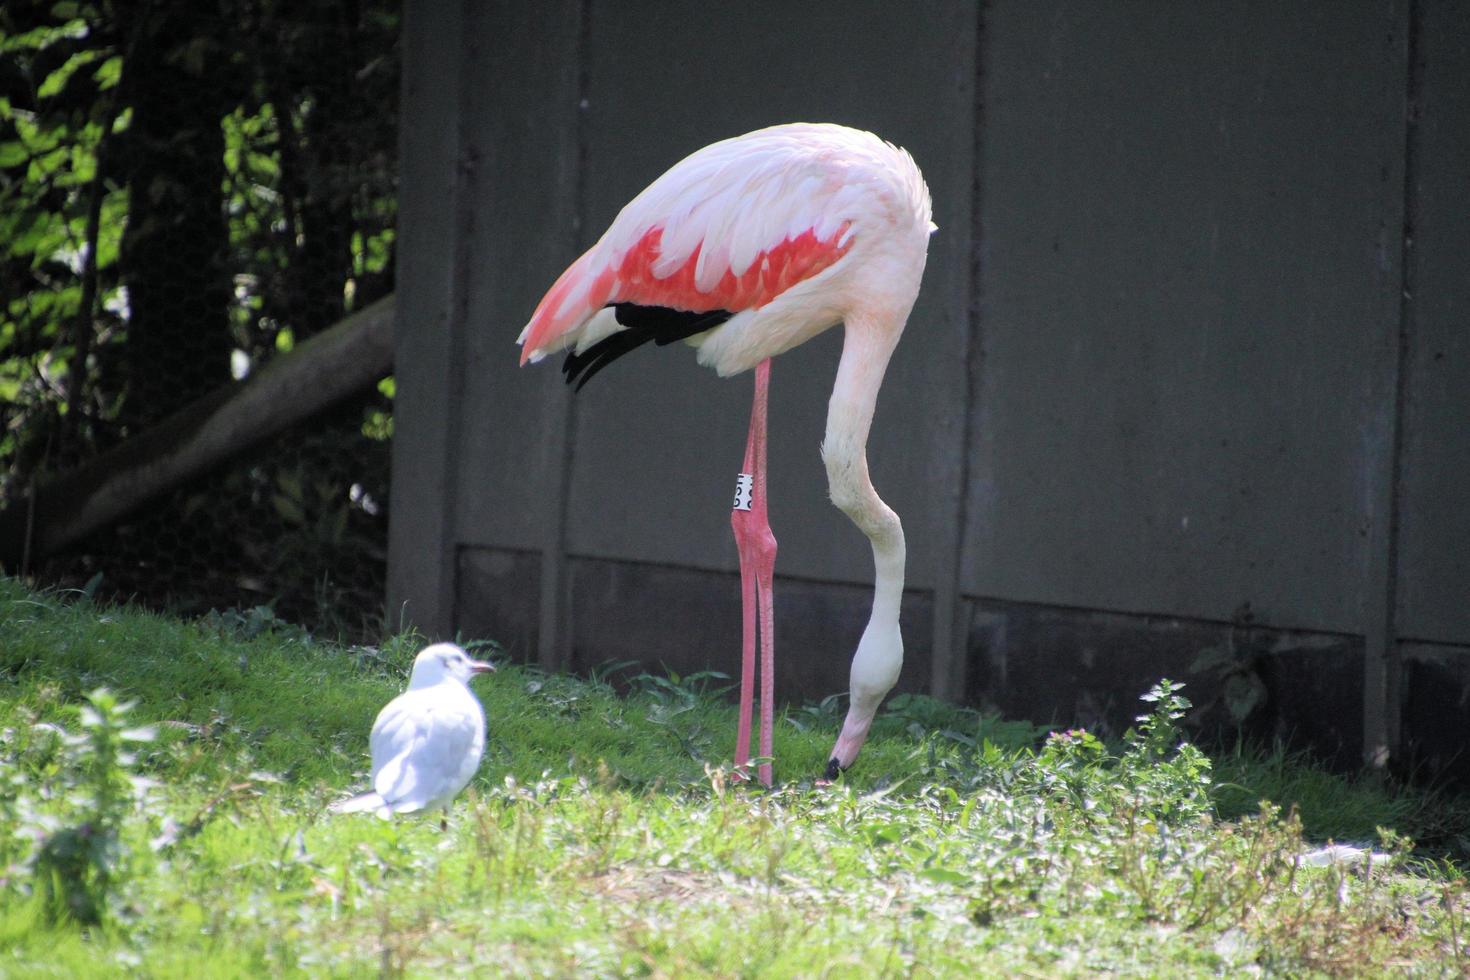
(764, 586)
(757, 547)
(747, 645)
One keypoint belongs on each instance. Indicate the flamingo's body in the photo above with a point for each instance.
(746, 249)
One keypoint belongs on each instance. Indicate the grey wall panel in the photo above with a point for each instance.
(817, 625)
(521, 135)
(1436, 693)
(421, 534)
(1069, 668)
(1189, 271)
(1434, 546)
(658, 440)
(497, 598)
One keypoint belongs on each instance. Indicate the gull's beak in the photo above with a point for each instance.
(481, 667)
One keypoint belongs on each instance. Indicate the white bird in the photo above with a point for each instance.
(746, 249)
(1345, 855)
(427, 742)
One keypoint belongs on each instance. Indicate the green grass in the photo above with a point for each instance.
(604, 835)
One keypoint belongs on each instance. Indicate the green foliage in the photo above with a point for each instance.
(81, 857)
(247, 624)
(303, 96)
(1170, 779)
(1237, 663)
(53, 125)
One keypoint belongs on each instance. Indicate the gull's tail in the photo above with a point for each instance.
(367, 802)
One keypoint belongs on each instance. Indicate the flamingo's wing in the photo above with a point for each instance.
(727, 229)
(631, 326)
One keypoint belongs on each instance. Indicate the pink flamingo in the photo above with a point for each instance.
(744, 250)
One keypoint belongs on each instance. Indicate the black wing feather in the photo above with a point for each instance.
(660, 324)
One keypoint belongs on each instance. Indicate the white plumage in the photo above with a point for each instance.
(427, 742)
(743, 196)
(732, 207)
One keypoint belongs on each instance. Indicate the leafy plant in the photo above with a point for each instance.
(247, 624)
(1169, 777)
(675, 705)
(61, 210)
(79, 864)
(1237, 663)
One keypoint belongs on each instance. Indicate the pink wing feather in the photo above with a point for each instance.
(730, 227)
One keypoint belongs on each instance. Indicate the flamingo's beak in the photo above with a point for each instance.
(481, 667)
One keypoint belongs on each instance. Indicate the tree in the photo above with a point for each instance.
(187, 189)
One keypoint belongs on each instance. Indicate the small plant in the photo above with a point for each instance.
(29, 750)
(826, 713)
(1169, 777)
(673, 689)
(247, 624)
(1238, 665)
(1070, 766)
(78, 865)
(1157, 778)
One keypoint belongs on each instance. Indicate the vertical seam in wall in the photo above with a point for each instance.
(562, 599)
(1408, 268)
(947, 650)
(465, 165)
(973, 351)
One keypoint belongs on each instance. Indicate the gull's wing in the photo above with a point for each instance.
(426, 744)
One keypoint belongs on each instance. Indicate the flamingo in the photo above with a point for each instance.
(744, 250)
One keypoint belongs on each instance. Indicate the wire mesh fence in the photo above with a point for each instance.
(190, 190)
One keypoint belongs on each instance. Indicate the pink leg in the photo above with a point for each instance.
(747, 645)
(757, 547)
(765, 573)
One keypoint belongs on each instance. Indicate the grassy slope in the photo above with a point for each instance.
(596, 841)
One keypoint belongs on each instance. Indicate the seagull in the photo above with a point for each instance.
(427, 742)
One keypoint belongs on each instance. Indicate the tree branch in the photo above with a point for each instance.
(329, 367)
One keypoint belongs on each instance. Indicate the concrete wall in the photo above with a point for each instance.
(1177, 377)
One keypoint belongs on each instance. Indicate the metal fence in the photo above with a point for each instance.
(191, 191)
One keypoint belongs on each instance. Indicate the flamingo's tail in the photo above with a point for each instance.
(576, 296)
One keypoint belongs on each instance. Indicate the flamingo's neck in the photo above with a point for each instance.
(867, 346)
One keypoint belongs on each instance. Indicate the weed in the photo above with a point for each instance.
(1169, 778)
(247, 624)
(81, 858)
